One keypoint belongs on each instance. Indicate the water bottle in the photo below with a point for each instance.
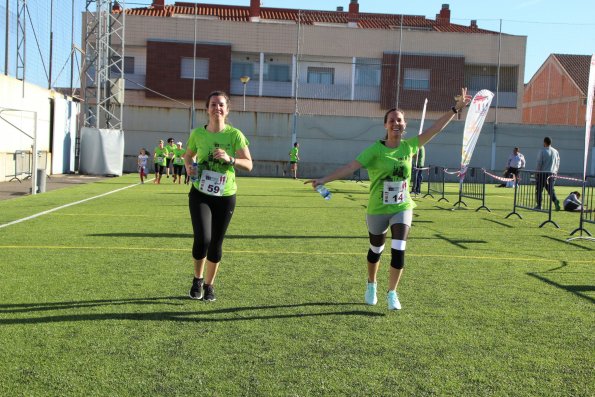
(324, 192)
(194, 175)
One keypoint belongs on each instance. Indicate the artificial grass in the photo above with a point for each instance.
(93, 298)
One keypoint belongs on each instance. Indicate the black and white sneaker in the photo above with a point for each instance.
(209, 293)
(196, 289)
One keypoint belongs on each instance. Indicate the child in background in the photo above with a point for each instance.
(142, 164)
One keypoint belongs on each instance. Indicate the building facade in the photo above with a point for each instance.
(316, 62)
(557, 93)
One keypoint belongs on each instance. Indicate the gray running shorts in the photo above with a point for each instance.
(379, 224)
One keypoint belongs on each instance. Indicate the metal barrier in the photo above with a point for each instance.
(587, 210)
(436, 181)
(528, 192)
(22, 165)
(473, 186)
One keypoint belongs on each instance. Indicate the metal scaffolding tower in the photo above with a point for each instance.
(103, 74)
(21, 40)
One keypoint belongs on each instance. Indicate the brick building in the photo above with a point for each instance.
(557, 93)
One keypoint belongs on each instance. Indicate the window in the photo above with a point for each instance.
(324, 76)
(367, 74)
(480, 82)
(201, 68)
(128, 65)
(275, 72)
(417, 79)
(239, 69)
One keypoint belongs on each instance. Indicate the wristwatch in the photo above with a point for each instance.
(232, 160)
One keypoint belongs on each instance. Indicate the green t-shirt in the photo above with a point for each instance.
(388, 164)
(293, 154)
(160, 155)
(421, 157)
(170, 150)
(204, 143)
(178, 153)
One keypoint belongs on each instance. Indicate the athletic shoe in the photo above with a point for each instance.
(557, 204)
(196, 289)
(393, 301)
(209, 293)
(370, 297)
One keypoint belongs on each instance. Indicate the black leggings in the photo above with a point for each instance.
(210, 218)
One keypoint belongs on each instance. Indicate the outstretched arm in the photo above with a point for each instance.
(462, 101)
(339, 173)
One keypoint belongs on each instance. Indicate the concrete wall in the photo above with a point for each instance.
(26, 100)
(327, 142)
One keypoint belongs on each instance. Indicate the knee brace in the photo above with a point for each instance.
(374, 253)
(397, 259)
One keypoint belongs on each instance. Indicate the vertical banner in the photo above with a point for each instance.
(476, 115)
(589, 113)
(423, 117)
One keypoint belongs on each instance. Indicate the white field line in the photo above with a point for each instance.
(64, 206)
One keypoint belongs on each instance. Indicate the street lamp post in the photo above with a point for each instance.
(245, 80)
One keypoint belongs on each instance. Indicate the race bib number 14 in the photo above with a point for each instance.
(212, 183)
(394, 192)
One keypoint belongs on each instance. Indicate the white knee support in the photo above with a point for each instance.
(398, 245)
(377, 250)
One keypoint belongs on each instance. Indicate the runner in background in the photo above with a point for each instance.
(294, 157)
(159, 157)
(390, 206)
(170, 155)
(142, 164)
(178, 162)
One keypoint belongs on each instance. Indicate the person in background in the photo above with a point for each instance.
(219, 149)
(142, 164)
(573, 202)
(170, 155)
(159, 157)
(178, 162)
(515, 162)
(548, 164)
(418, 162)
(294, 157)
(390, 205)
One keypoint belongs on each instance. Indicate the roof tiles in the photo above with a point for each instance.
(309, 17)
(577, 67)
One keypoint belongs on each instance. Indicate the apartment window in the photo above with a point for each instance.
(417, 79)
(275, 72)
(239, 69)
(480, 82)
(201, 68)
(318, 75)
(367, 75)
(128, 65)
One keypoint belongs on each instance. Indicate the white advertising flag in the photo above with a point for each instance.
(476, 115)
(589, 113)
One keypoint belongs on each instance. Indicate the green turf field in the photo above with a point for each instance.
(93, 298)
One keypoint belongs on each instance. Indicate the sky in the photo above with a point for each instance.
(563, 27)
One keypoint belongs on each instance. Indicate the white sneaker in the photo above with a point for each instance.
(393, 301)
(370, 297)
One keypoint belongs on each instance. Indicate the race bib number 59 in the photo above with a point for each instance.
(394, 192)
(212, 183)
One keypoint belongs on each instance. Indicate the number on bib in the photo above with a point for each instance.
(394, 192)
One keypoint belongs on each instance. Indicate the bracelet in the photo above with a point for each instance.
(454, 110)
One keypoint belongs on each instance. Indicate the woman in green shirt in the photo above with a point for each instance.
(390, 205)
(178, 161)
(159, 156)
(219, 148)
